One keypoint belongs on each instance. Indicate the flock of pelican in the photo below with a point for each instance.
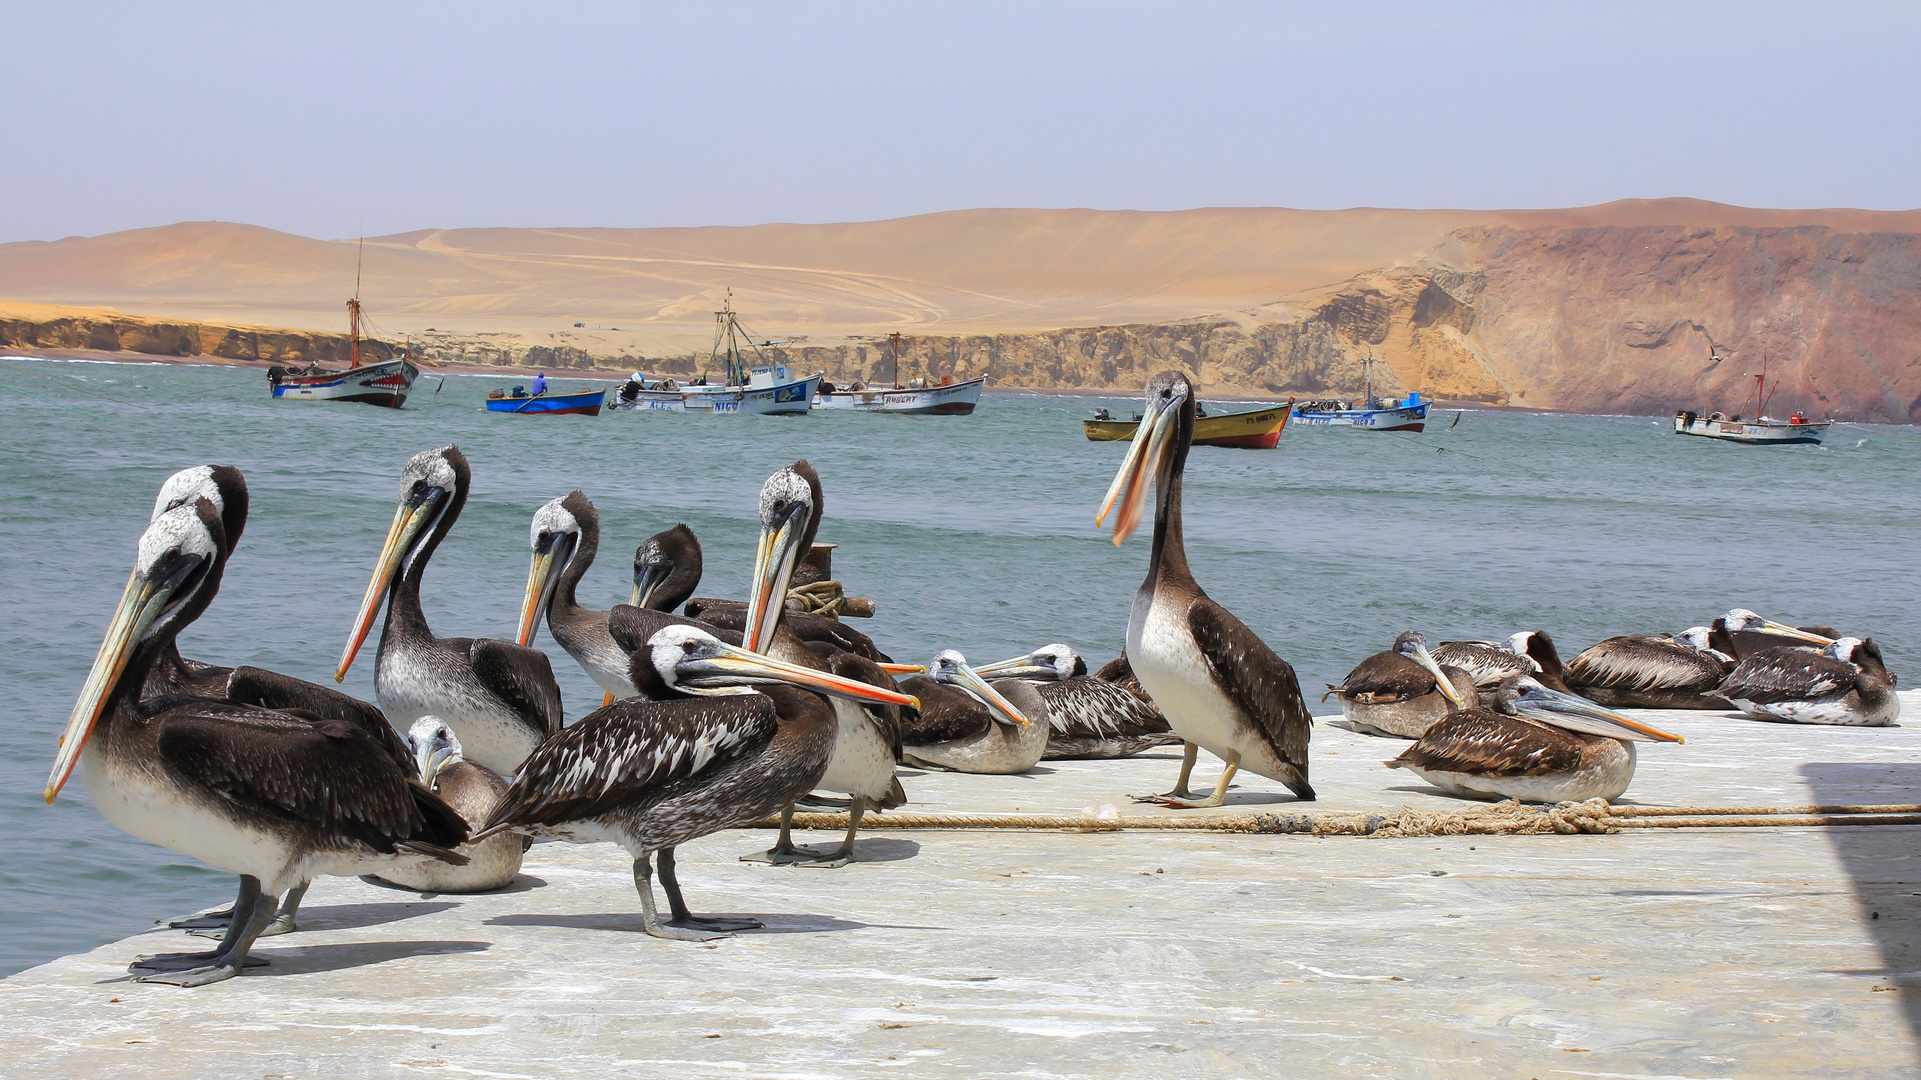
(734, 711)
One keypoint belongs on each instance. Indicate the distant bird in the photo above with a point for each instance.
(1405, 691)
(1219, 686)
(1845, 683)
(473, 791)
(1636, 671)
(965, 724)
(1534, 744)
(500, 697)
(277, 797)
(1088, 716)
(719, 738)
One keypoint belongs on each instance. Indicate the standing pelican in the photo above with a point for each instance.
(1404, 691)
(966, 724)
(565, 536)
(1087, 716)
(473, 791)
(1636, 671)
(499, 696)
(1845, 683)
(1219, 686)
(275, 797)
(719, 738)
(1535, 745)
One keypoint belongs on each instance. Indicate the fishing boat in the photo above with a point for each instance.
(763, 388)
(1763, 430)
(1373, 413)
(949, 398)
(1258, 429)
(382, 382)
(583, 403)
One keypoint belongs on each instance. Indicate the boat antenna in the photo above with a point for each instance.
(895, 339)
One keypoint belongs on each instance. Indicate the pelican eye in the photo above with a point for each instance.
(690, 646)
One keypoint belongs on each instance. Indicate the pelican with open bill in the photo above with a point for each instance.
(1257, 429)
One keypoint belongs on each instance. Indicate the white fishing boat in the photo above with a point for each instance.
(382, 382)
(1371, 413)
(1762, 430)
(948, 398)
(763, 389)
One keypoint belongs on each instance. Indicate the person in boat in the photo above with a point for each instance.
(630, 390)
(1101, 414)
(540, 383)
(1200, 410)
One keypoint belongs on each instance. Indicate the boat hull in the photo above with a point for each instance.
(1752, 432)
(783, 399)
(957, 399)
(1403, 418)
(585, 403)
(1257, 430)
(386, 383)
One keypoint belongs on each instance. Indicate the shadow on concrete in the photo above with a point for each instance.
(313, 959)
(882, 848)
(630, 922)
(521, 883)
(358, 916)
(1883, 863)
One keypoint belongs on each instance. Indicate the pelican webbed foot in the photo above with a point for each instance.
(283, 921)
(840, 856)
(1182, 799)
(211, 920)
(252, 914)
(683, 926)
(782, 853)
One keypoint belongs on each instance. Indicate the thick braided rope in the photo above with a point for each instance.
(819, 597)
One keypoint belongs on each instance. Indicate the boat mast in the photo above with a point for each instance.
(353, 308)
(895, 338)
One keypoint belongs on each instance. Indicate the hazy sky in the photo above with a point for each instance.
(328, 117)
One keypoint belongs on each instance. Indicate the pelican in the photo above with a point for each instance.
(966, 724)
(565, 535)
(1219, 686)
(1741, 632)
(1845, 683)
(225, 488)
(1530, 652)
(1534, 744)
(277, 798)
(473, 791)
(1636, 671)
(1404, 691)
(667, 567)
(499, 696)
(720, 738)
(1087, 716)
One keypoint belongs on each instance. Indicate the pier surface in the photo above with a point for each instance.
(1745, 952)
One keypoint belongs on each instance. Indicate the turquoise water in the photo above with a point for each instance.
(971, 533)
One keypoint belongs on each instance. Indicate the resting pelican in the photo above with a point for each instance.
(1845, 683)
(565, 536)
(1404, 691)
(1535, 745)
(1087, 716)
(1636, 671)
(1219, 686)
(1741, 632)
(720, 738)
(473, 791)
(499, 696)
(966, 724)
(277, 798)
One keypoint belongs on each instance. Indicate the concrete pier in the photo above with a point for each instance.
(1699, 953)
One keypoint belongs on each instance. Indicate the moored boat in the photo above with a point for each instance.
(581, 403)
(949, 398)
(767, 388)
(1372, 413)
(382, 382)
(1763, 430)
(1258, 429)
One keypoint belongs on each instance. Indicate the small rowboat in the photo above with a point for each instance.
(1257, 430)
(584, 403)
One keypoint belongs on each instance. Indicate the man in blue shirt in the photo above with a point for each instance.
(540, 384)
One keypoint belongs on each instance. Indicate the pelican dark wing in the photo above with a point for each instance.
(520, 676)
(1486, 661)
(1787, 674)
(1093, 708)
(1482, 742)
(1253, 677)
(945, 714)
(812, 629)
(265, 689)
(1385, 677)
(631, 626)
(1637, 662)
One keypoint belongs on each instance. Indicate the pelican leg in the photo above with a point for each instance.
(650, 916)
(252, 912)
(283, 922)
(212, 920)
(1189, 802)
(670, 882)
(783, 850)
(1189, 752)
(840, 857)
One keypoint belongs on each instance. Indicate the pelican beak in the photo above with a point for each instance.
(903, 669)
(409, 518)
(140, 603)
(646, 579)
(1580, 714)
(1017, 667)
(1138, 470)
(430, 756)
(739, 665)
(773, 569)
(540, 585)
(1426, 660)
(970, 680)
(1769, 626)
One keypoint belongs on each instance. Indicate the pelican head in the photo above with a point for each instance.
(674, 553)
(790, 508)
(1159, 446)
(435, 747)
(1524, 696)
(1701, 640)
(432, 482)
(692, 661)
(1056, 662)
(950, 667)
(1413, 645)
(175, 572)
(554, 537)
(1739, 619)
(221, 485)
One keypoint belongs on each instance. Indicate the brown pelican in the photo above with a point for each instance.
(226, 489)
(1219, 686)
(1636, 671)
(1534, 744)
(667, 568)
(498, 695)
(565, 536)
(1845, 683)
(1741, 632)
(1404, 691)
(1530, 652)
(720, 738)
(966, 724)
(1087, 716)
(473, 791)
(275, 797)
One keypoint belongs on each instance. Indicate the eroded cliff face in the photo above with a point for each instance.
(113, 332)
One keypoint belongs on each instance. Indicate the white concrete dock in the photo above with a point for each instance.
(1700, 953)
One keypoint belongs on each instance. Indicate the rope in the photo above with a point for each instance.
(819, 598)
(1500, 819)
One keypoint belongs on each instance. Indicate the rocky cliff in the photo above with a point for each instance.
(35, 327)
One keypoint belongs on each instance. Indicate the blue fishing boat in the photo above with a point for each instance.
(584, 403)
(1372, 413)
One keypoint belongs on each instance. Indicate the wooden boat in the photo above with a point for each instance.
(767, 388)
(1373, 414)
(382, 382)
(1763, 430)
(1259, 429)
(582, 403)
(950, 398)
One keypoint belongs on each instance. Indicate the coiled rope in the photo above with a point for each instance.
(1505, 818)
(819, 598)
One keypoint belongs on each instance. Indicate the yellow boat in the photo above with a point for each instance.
(1257, 430)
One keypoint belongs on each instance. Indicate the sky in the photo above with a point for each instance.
(331, 120)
